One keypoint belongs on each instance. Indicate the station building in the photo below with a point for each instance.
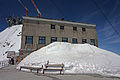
(39, 32)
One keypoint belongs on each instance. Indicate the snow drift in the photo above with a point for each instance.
(10, 40)
(77, 58)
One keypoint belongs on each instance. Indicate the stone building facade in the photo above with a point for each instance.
(39, 32)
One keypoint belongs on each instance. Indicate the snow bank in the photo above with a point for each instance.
(77, 58)
(10, 40)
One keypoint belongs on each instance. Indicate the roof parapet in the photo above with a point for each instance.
(58, 21)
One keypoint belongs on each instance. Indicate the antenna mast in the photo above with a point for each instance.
(24, 7)
(39, 13)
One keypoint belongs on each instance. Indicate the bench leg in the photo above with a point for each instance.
(60, 71)
(20, 68)
(43, 71)
(37, 71)
(30, 70)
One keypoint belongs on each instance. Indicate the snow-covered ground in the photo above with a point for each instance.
(10, 40)
(77, 58)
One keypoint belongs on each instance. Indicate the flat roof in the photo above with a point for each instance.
(58, 21)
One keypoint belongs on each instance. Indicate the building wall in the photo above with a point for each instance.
(42, 28)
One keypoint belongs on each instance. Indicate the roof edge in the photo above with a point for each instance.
(58, 21)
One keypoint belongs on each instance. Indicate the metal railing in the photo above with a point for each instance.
(4, 63)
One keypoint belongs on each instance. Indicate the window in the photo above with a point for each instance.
(83, 29)
(74, 28)
(84, 41)
(42, 40)
(52, 26)
(74, 41)
(64, 39)
(53, 39)
(92, 41)
(62, 27)
(29, 40)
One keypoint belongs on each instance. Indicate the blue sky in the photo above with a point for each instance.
(73, 10)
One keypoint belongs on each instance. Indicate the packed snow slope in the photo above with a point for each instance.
(77, 58)
(10, 40)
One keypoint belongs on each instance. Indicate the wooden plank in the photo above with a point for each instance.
(32, 68)
(52, 69)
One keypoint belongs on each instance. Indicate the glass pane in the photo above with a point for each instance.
(52, 26)
(29, 39)
(53, 39)
(42, 40)
(83, 29)
(62, 27)
(74, 41)
(84, 41)
(92, 42)
(64, 39)
(74, 28)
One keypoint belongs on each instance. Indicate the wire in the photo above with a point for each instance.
(57, 7)
(105, 17)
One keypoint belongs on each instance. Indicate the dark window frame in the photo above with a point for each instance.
(61, 27)
(42, 40)
(83, 29)
(74, 28)
(52, 26)
(64, 39)
(84, 41)
(74, 41)
(28, 41)
(92, 42)
(53, 39)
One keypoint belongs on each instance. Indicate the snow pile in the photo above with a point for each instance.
(10, 40)
(77, 58)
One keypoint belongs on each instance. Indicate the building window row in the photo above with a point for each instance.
(42, 40)
(62, 28)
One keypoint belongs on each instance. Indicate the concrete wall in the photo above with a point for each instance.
(38, 28)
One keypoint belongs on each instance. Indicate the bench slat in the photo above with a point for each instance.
(54, 65)
(31, 68)
(52, 69)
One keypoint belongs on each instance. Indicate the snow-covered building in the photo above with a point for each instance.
(39, 32)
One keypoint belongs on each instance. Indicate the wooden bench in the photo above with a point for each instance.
(32, 68)
(59, 67)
